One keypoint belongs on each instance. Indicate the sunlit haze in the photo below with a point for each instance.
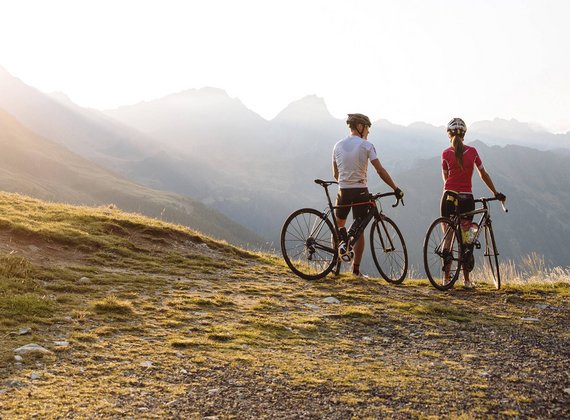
(403, 61)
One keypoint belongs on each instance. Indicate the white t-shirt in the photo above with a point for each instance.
(351, 156)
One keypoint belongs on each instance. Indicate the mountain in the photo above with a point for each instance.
(36, 166)
(207, 145)
(197, 122)
(504, 132)
(86, 132)
(295, 147)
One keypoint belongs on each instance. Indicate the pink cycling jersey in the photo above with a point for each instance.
(458, 179)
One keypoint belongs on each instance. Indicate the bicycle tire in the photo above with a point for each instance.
(437, 257)
(492, 258)
(389, 250)
(309, 244)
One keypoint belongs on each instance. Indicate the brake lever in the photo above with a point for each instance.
(506, 210)
(398, 202)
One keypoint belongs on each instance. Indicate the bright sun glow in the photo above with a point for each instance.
(404, 61)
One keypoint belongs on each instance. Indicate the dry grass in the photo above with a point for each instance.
(532, 270)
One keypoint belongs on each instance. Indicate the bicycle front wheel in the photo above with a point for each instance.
(389, 250)
(492, 256)
(309, 244)
(442, 253)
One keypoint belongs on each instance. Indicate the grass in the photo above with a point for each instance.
(236, 320)
(113, 305)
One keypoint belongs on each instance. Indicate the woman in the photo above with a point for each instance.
(457, 164)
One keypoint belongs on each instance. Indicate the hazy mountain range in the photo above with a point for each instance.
(35, 165)
(208, 146)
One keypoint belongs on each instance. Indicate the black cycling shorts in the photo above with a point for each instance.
(465, 202)
(347, 196)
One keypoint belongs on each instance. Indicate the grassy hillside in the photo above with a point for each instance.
(140, 318)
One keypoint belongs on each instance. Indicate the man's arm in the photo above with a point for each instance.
(335, 170)
(383, 174)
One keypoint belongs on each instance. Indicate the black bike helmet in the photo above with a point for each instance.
(354, 119)
(456, 126)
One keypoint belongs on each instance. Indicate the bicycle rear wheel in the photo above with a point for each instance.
(442, 253)
(492, 256)
(309, 244)
(389, 250)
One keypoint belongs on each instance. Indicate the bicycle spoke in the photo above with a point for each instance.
(442, 254)
(308, 244)
(388, 250)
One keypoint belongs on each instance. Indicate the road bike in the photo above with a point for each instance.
(450, 242)
(310, 240)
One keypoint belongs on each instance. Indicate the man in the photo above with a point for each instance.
(350, 166)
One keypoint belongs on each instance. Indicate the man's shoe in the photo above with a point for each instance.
(468, 285)
(360, 276)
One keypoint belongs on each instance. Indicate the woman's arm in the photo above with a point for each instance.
(487, 180)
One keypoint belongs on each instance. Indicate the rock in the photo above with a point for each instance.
(13, 384)
(367, 339)
(61, 343)
(183, 371)
(213, 391)
(31, 348)
(485, 374)
(84, 280)
(530, 319)
(18, 358)
(311, 306)
(331, 300)
(146, 364)
(24, 331)
(33, 248)
(567, 390)
(35, 376)
(542, 305)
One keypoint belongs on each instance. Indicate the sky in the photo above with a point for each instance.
(400, 60)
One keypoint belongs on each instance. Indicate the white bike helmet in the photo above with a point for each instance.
(456, 126)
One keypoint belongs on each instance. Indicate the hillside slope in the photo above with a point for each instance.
(139, 318)
(39, 167)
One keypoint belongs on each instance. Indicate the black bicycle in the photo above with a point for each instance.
(310, 240)
(449, 246)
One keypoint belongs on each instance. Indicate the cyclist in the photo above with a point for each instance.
(350, 165)
(457, 163)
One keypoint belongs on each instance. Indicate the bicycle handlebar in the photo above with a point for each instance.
(381, 195)
(487, 199)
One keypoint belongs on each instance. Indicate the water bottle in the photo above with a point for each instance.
(473, 229)
(468, 231)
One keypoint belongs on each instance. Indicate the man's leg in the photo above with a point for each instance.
(358, 251)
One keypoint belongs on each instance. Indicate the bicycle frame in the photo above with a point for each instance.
(374, 213)
(484, 223)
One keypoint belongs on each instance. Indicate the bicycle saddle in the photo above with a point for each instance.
(325, 183)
